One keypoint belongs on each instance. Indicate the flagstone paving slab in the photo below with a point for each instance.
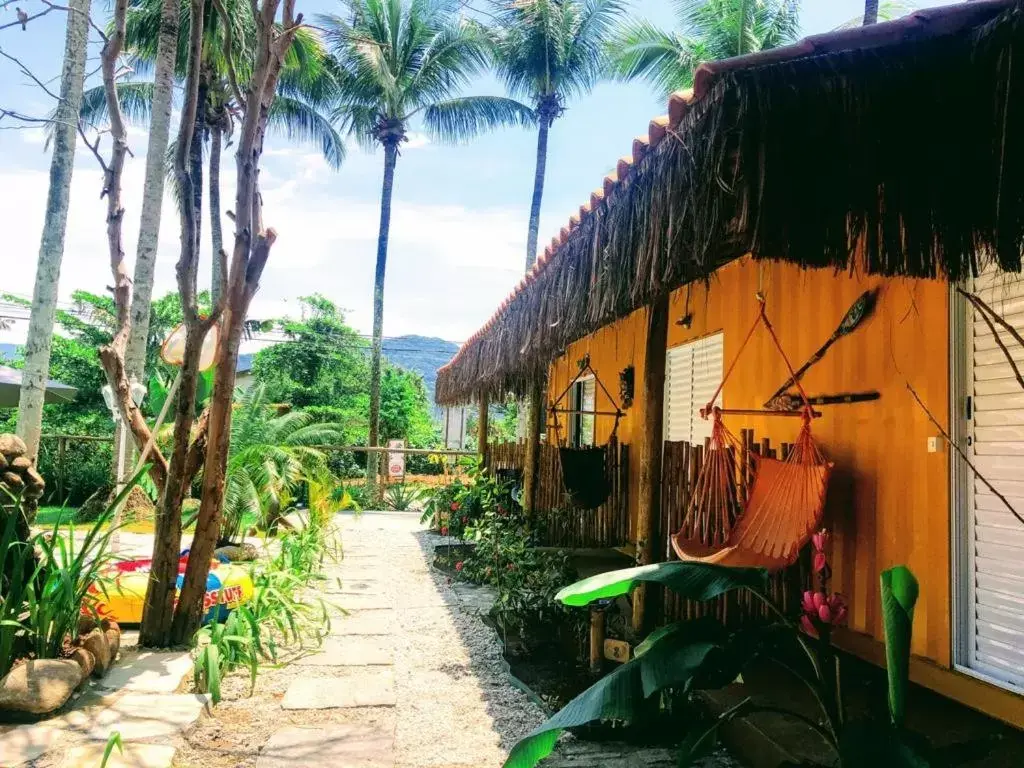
(354, 651)
(359, 602)
(138, 716)
(362, 688)
(364, 623)
(332, 746)
(131, 756)
(149, 672)
(27, 742)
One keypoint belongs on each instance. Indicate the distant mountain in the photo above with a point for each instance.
(423, 354)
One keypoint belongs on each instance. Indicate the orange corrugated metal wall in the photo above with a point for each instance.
(890, 501)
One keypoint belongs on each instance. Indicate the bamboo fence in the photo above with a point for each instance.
(559, 524)
(681, 465)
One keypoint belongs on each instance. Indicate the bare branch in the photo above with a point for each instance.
(28, 73)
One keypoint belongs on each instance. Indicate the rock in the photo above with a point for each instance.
(98, 645)
(236, 553)
(39, 686)
(3, 462)
(87, 624)
(114, 641)
(85, 660)
(367, 687)
(21, 463)
(149, 672)
(12, 446)
(12, 481)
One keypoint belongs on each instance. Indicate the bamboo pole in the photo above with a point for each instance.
(651, 445)
(596, 639)
(481, 430)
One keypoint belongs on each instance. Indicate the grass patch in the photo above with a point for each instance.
(49, 516)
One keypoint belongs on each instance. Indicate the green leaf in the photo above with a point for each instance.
(671, 662)
(695, 581)
(899, 595)
(113, 740)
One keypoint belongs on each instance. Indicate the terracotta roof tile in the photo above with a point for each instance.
(931, 22)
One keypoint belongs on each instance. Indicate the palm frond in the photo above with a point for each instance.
(462, 119)
(301, 122)
(136, 100)
(665, 59)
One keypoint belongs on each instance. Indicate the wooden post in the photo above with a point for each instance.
(596, 639)
(481, 431)
(651, 445)
(534, 424)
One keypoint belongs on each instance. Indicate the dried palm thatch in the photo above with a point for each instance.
(905, 159)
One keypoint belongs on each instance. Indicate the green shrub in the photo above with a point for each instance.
(86, 466)
(49, 580)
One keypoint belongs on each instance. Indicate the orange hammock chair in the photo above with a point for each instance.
(784, 507)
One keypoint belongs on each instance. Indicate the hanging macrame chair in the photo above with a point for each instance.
(586, 469)
(769, 527)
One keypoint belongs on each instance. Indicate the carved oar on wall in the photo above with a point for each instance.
(791, 402)
(854, 316)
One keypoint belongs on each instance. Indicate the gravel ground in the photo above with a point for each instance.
(455, 704)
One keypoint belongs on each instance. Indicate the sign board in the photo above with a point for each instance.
(455, 428)
(396, 460)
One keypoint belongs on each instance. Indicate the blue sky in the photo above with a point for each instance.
(459, 217)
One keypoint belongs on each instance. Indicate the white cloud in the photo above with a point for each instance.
(448, 265)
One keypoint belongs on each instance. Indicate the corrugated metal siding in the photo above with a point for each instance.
(693, 372)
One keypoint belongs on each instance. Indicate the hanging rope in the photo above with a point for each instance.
(786, 501)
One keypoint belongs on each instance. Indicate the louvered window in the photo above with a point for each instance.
(693, 372)
(994, 426)
(584, 398)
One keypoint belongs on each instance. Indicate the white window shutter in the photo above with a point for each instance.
(693, 372)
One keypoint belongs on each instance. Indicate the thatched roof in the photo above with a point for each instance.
(902, 142)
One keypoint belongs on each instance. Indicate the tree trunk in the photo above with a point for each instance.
(651, 446)
(534, 426)
(216, 233)
(249, 257)
(373, 457)
(51, 248)
(538, 191)
(870, 12)
(196, 160)
(483, 427)
(153, 191)
(158, 610)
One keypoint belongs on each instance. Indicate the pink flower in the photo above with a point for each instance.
(808, 625)
(465, 519)
(820, 561)
(455, 506)
(444, 530)
(458, 566)
(511, 566)
(820, 610)
(820, 540)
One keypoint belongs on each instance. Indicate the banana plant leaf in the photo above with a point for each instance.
(899, 595)
(671, 662)
(695, 581)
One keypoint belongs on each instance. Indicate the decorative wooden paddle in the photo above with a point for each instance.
(854, 316)
(790, 402)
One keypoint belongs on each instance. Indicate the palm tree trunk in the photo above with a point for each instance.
(216, 234)
(51, 248)
(538, 192)
(373, 457)
(870, 12)
(196, 159)
(153, 190)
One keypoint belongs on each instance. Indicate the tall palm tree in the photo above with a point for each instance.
(51, 247)
(547, 52)
(297, 112)
(870, 12)
(708, 30)
(396, 62)
(271, 455)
